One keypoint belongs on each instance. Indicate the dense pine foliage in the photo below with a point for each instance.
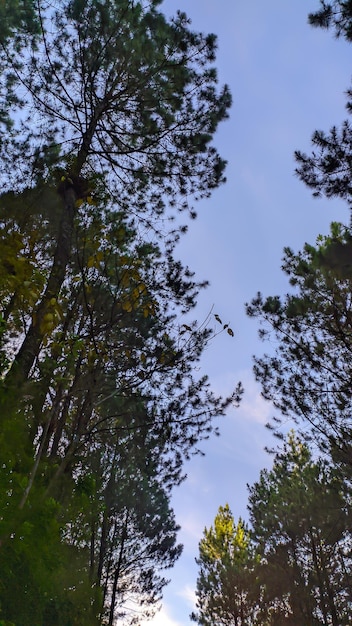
(108, 112)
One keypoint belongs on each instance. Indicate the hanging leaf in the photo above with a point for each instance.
(127, 306)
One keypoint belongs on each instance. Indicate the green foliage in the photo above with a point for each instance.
(110, 406)
(326, 170)
(17, 17)
(308, 376)
(225, 586)
(336, 15)
(100, 402)
(18, 22)
(293, 566)
(148, 102)
(300, 516)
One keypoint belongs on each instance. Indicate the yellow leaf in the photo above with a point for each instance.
(127, 306)
(79, 203)
(125, 280)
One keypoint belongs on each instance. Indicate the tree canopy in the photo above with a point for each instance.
(336, 15)
(292, 564)
(305, 379)
(300, 515)
(327, 170)
(226, 560)
(308, 376)
(108, 113)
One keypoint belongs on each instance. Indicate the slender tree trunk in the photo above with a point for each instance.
(78, 430)
(103, 545)
(105, 523)
(302, 607)
(331, 596)
(31, 344)
(92, 551)
(117, 572)
(29, 350)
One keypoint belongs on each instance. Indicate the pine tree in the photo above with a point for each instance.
(109, 111)
(226, 585)
(308, 376)
(336, 15)
(300, 517)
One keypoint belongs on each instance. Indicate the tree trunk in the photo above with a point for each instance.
(117, 572)
(29, 350)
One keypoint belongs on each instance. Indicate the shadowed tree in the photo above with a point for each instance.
(336, 15)
(119, 92)
(300, 515)
(308, 376)
(113, 112)
(294, 565)
(328, 169)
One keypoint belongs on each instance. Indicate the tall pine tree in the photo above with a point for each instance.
(110, 111)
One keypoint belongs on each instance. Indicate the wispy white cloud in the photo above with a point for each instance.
(162, 618)
(192, 526)
(253, 405)
(189, 595)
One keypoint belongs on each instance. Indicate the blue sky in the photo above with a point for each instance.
(287, 80)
